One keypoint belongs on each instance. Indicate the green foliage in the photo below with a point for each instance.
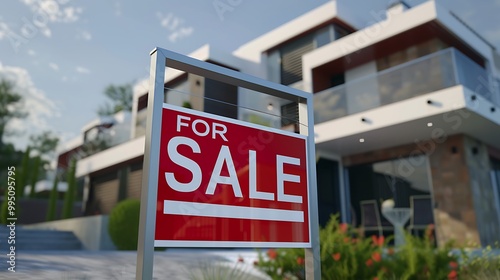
(418, 258)
(69, 196)
(121, 99)
(23, 172)
(34, 175)
(20, 179)
(51, 210)
(123, 225)
(44, 143)
(283, 263)
(10, 106)
(9, 156)
(485, 266)
(346, 254)
(187, 104)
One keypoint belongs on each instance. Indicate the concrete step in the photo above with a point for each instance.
(35, 239)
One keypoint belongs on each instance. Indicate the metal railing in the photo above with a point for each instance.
(433, 72)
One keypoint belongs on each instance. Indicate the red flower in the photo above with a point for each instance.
(336, 257)
(369, 262)
(453, 264)
(272, 254)
(378, 241)
(241, 260)
(452, 275)
(375, 278)
(346, 239)
(300, 261)
(429, 231)
(343, 227)
(376, 256)
(255, 263)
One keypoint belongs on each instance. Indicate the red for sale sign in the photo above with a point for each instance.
(227, 183)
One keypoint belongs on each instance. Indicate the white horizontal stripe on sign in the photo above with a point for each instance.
(230, 211)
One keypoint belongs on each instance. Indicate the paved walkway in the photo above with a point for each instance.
(171, 264)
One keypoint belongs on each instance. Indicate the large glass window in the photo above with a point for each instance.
(397, 179)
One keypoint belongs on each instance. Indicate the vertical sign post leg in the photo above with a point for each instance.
(145, 246)
(312, 255)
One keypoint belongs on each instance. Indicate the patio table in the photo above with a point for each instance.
(398, 217)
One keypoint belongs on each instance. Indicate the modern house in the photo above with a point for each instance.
(406, 108)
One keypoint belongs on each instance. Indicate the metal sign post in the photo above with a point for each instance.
(150, 206)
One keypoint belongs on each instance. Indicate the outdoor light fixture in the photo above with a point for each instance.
(473, 97)
(429, 124)
(493, 109)
(361, 140)
(270, 106)
(429, 101)
(364, 120)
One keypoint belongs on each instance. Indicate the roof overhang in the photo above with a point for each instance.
(111, 157)
(452, 112)
(328, 12)
(423, 22)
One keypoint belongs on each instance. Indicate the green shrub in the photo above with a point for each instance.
(478, 267)
(69, 196)
(346, 254)
(123, 225)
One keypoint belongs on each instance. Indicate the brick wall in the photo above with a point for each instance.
(454, 209)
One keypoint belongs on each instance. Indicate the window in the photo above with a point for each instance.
(337, 80)
(410, 53)
(291, 59)
(324, 36)
(284, 64)
(397, 179)
(289, 114)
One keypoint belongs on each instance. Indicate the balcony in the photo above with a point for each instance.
(427, 74)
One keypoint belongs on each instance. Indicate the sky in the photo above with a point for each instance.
(61, 54)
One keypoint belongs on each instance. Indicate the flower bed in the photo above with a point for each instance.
(346, 254)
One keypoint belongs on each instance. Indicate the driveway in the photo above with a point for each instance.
(171, 264)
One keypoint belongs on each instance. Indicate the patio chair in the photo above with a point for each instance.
(371, 219)
(422, 214)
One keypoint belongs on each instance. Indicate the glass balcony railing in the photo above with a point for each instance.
(427, 74)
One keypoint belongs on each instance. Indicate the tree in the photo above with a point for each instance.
(44, 143)
(10, 107)
(121, 99)
(35, 175)
(51, 211)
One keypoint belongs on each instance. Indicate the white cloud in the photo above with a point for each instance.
(84, 35)
(82, 70)
(31, 52)
(4, 30)
(181, 33)
(54, 11)
(50, 11)
(175, 26)
(39, 107)
(54, 66)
